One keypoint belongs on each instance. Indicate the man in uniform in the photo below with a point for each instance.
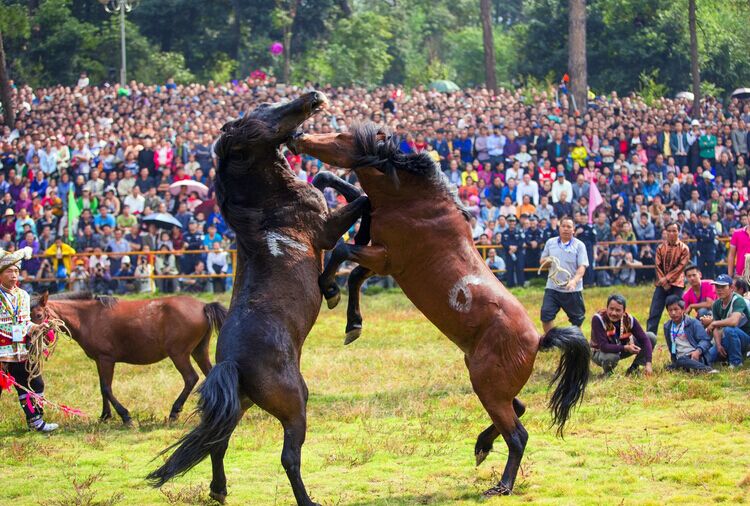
(15, 324)
(705, 237)
(587, 235)
(513, 241)
(193, 241)
(534, 243)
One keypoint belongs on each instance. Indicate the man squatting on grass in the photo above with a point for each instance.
(729, 323)
(572, 256)
(615, 335)
(689, 345)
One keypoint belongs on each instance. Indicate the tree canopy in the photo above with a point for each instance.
(370, 43)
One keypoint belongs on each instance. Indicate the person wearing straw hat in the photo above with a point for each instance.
(15, 325)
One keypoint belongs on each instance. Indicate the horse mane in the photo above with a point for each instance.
(388, 157)
(105, 300)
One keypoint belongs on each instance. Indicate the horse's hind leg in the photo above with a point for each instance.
(189, 377)
(201, 354)
(500, 406)
(218, 487)
(353, 315)
(486, 439)
(106, 369)
(284, 395)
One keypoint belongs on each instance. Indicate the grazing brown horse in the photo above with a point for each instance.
(421, 237)
(136, 332)
(282, 226)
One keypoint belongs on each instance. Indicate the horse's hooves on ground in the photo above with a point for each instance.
(334, 300)
(218, 497)
(481, 455)
(352, 335)
(498, 489)
(173, 418)
(128, 423)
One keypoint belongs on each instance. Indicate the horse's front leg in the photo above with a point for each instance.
(338, 222)
(353, 315)
(323, 180)
(373, 258)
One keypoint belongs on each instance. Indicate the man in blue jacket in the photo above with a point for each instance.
(687, 340)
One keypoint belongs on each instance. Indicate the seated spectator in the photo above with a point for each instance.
(729, 323)
(198, 284)
(166, 265)
(126, 270)
(143, 272)
(218, 263)
(699, 294)
(687, 341)
(79, 278)
(616, 335)
(495, 263)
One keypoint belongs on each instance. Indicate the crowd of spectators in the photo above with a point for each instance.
(518, 158)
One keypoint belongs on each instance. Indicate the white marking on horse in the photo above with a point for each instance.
(274, 239)
(459, 298)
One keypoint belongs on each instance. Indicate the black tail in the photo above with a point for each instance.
(216, 314)
(219, 407)
(572, 372)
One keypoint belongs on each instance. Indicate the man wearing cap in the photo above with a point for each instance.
(15, 325)
(729, 323)
(564, 288)
(672, 256)
(534, 239)
(705, 248)
(513, 241)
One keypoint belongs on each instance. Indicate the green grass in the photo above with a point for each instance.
(393, 421)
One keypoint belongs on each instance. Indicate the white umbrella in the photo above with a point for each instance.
(163, 220)
(192, 186)
(686, 94)
(741, 93)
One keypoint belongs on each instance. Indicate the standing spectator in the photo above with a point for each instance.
(739, 247)
(705, 237)
(672, 256)
(571, 255)
(218, 263)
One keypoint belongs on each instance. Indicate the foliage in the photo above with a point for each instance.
(409, 41)
(651, 91)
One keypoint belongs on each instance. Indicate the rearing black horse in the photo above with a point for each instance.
(282, 226)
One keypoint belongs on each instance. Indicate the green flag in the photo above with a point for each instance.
(73, 214)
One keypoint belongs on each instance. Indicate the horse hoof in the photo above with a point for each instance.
(218, 497)
(352, 335)
(128, 423)
(498, 489)
(481, 455)
(105, 418)
(333, 301)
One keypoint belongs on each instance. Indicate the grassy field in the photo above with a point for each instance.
(393, 421)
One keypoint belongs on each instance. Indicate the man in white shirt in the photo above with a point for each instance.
(527, 187)
(135, 200)
(561, 185)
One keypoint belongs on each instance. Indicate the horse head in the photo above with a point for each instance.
(39, 311)
(251, 166)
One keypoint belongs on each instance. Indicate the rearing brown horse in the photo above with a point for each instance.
(136, 332)
(421, 237)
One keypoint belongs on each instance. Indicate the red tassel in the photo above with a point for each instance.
(29, 404)
(6, 381)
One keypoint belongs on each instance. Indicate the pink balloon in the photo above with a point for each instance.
(277, 48)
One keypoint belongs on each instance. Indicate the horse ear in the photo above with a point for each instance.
(43, 300)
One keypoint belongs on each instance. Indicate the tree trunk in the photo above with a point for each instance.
(577, 53)
(694, 69)
(288, 40)
(9, 114)
(489, 46)
(346, 9)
